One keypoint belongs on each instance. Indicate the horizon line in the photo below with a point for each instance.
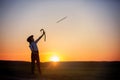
(58, 61)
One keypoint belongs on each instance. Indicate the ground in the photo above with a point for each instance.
(18, 70)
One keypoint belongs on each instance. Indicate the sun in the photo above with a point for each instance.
(54, 59)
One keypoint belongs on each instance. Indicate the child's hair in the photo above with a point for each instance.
(29, 39)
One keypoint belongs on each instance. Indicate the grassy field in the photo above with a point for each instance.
(18, 70)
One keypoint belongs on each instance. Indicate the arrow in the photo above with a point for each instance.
(61, 19)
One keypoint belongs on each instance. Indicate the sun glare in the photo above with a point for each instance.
(54, 59)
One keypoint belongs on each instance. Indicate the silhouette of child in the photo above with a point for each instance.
(34, 52)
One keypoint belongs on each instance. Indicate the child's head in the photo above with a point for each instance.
(30, 39)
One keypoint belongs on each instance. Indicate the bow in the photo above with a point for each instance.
(44, 34)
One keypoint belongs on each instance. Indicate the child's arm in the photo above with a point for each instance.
(39, 37)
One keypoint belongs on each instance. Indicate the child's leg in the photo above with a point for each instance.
(32, 63)
(38, 63)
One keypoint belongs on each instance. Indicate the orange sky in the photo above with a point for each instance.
(89, 33)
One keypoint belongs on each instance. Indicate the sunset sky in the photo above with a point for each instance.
(88, 33)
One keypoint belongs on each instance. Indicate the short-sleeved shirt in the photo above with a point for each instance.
(33, 46)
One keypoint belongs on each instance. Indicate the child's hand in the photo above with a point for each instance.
(43, 32)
